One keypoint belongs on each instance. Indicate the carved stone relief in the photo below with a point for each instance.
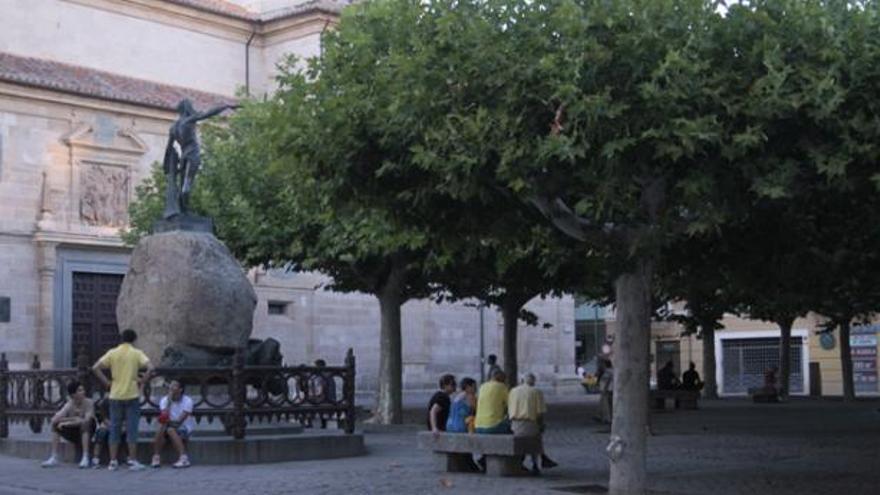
(104, 195)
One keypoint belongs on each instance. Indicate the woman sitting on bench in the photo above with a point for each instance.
(176, 423)
(690, 379)
(667, 379)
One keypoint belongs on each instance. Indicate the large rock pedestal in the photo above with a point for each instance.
(185, 288)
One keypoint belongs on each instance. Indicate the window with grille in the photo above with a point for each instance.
(277, 307)
(746, 360)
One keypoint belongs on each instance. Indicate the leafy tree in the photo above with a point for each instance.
(808, 103)
(601, 114)
(845, 251)
(846, 233)
(696, 272)
(504, 258)
(773, 278)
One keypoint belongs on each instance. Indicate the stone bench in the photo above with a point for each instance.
(763, 395)
(681, 399)
(504, 453)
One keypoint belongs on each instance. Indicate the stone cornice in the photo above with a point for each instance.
(25, 92)
(91, 237)
(232, 24)
(78, 80)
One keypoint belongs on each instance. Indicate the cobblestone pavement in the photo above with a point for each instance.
(728, 447)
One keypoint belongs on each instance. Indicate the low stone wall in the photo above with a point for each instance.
(214, 450)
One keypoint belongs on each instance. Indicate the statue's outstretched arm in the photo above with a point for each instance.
(212, 112)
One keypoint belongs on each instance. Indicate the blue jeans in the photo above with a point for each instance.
(131, 411)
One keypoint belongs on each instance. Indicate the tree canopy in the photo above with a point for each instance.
(483, 148)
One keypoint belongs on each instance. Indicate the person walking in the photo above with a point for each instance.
(124, 362)
(492, 361)
(606, 389)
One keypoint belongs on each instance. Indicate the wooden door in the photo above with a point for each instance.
(94, 314)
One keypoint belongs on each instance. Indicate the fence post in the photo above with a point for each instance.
(4, 394)
(238, 394)
(36, 422)
(348, 391)
(83, 374)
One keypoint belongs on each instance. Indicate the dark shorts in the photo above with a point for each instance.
(73, 434)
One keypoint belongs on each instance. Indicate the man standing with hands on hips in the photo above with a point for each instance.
(124, 362)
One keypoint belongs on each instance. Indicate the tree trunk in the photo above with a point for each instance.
(626, 449)
(785, 325)
(710, 385)
(510, 314)
(389, 402)
(846, 364)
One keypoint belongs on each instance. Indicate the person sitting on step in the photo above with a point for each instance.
(101, 437)
(176, 423)
(74, 422)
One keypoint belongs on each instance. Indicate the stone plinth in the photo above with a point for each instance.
(186, 222)
(185, 288)
(211, 449)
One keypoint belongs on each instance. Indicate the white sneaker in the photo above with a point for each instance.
(157, 462)
(96, 463)
(135, 466)
(52, 461)
(183, 462)
(113, 466)
(84, 463)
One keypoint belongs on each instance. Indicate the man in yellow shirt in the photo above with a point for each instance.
(124, 362)
(492, 406)
(526, 408)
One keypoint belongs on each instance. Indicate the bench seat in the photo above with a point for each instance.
(762, 395)
(504, 453)
(682, 399)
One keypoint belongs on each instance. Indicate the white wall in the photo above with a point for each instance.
(305, 47)
(123, 44)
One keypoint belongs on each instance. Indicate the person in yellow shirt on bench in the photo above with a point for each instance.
(526, 409)
(492, 406)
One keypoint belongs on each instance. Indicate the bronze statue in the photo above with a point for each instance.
(181, 168)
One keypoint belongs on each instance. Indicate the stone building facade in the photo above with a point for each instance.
(87, 91)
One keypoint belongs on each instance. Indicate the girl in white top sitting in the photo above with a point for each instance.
(176, 423)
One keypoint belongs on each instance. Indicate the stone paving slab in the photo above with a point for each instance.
(727, 447)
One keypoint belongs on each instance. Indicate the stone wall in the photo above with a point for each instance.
(437, 338)
(158, 41)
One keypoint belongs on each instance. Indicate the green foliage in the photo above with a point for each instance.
(417, 140)
(147, 206)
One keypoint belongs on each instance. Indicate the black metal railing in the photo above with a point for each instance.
(236, 395)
